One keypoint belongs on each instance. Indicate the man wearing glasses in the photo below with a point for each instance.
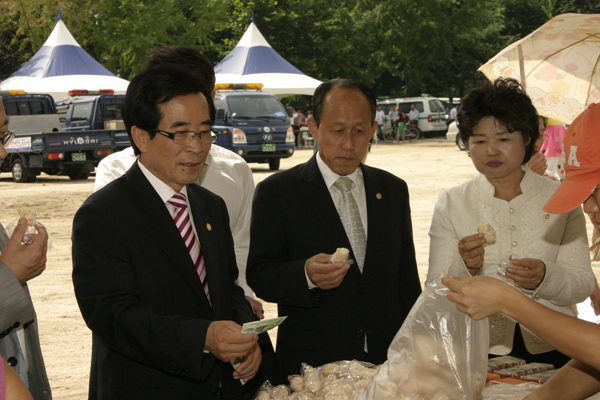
(224, 173)
(153, 260)
(19, 339)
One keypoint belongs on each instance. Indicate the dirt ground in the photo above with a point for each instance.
(427, 166)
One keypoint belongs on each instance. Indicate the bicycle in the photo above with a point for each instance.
(411, 133)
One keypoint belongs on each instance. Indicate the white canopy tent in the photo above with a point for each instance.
(253, 60)
(61, 65)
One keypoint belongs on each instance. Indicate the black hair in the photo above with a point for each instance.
(325, 87)
(155, 86)
(184, 57)
(505, 101)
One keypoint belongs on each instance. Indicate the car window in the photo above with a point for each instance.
(81, 112)
(11, 108)
(406, 106)
(436, 106)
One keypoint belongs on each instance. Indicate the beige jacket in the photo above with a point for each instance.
(523, 230)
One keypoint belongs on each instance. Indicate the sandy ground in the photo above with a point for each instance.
(427, 166)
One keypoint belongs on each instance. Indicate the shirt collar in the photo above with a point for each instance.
(164, 191)
(330, 177)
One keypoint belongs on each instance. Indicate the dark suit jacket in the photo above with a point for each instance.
(294, 218)
(139, 293)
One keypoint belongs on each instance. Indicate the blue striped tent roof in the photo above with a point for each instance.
(61, 55)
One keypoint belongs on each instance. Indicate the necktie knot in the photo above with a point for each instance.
(178, 200)
(343, 183)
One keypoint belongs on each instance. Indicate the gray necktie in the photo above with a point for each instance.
(351, 220)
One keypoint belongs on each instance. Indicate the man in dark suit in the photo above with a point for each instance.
(162, 315)
(336, 311)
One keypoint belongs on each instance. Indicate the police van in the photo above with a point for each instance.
(432, 116)
(253, 124)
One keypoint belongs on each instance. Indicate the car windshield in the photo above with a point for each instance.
(255, 107)
(436, 106)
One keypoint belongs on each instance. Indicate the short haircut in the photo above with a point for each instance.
(325, 87)
(184, 57)
(505, 101)
(155, 86)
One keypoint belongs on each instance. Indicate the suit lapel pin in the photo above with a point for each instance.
(209, 227)
(546, 216)
(378, 195)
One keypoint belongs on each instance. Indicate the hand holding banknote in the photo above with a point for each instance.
(256, 327)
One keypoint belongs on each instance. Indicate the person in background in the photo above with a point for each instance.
(553, 147)
(19, 338)
(413, 115)
(452, 114)
(393, 115)
(340, 310)
(224, 172)
(296, 125)
(379, 118)
(538, 163)
(400, 123)
(545, 256)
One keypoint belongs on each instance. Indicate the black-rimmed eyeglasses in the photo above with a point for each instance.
(185, 137)
(6, 137)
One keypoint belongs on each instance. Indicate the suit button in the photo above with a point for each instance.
(12, 361)
(359, 333)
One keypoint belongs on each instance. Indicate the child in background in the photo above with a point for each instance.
(553, 147)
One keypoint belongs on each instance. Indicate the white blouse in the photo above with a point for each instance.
(523, 230)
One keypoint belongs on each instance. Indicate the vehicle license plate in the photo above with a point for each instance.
(77, 156)
(268, 147)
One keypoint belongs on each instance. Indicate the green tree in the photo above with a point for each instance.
(124, 31)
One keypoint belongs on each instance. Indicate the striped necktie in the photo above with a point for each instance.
(184, 225)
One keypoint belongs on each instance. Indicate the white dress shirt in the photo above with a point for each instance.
(358, 191)
(225, 174)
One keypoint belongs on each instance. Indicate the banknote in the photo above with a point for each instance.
(257, 327)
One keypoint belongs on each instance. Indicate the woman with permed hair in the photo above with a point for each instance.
(545, 256)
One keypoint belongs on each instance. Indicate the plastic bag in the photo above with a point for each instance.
(31, 216)
(340, 380)
(438, 353)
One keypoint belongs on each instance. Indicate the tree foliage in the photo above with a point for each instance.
(399, 47)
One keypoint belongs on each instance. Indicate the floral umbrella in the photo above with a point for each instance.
(558, 64)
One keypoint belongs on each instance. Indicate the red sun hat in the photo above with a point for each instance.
(582, 162)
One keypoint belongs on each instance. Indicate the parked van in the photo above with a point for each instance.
(432, 116)
(253, 124)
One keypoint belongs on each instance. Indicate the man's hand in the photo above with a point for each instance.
(530, 274)
(323, 274)
(250, 364)
(478, 296)
(537, 163)
(26, 261)
(225, 340)
(257, 307)
(471, 250)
